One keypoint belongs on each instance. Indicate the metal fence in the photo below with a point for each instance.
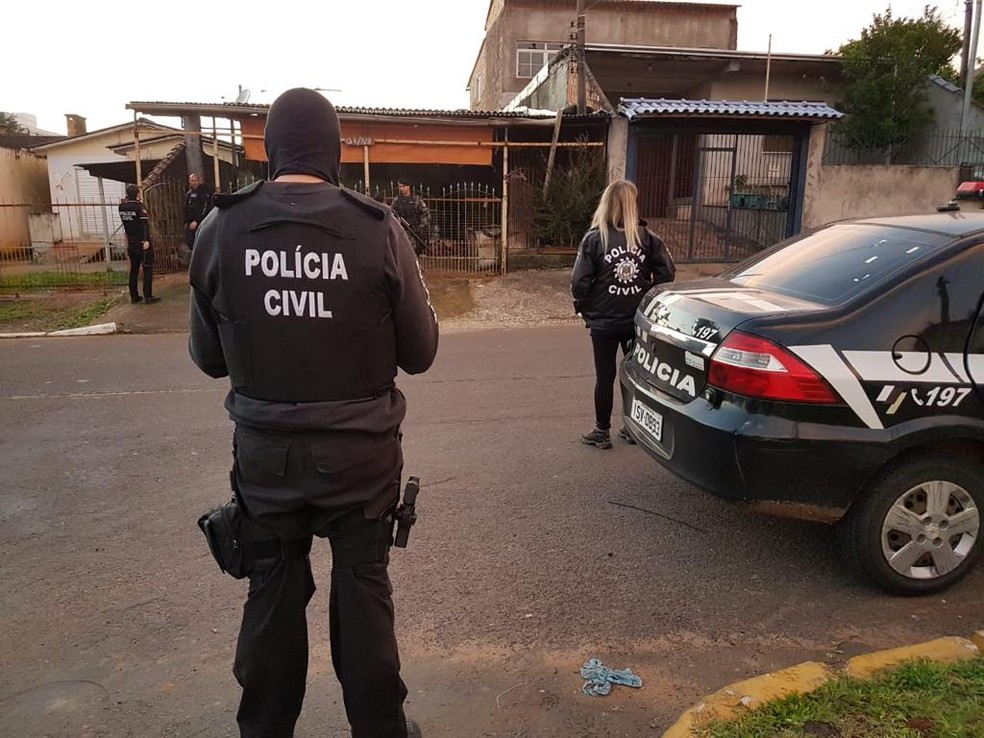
(465, 235)
(933, 148)
(716, 197)
(82, 244)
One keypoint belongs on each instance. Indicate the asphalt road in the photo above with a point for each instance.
(533, 554)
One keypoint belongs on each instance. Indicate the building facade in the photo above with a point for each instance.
(523, 35)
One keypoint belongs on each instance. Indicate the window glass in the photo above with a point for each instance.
(531, 55)
(838, 263)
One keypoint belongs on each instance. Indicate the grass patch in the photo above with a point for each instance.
(49, 314)
(35, 281)
(86, 315)
(920, 699)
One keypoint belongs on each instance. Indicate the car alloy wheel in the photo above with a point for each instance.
(917, 528)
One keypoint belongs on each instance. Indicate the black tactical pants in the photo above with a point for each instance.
(140, 258)
(298, 486)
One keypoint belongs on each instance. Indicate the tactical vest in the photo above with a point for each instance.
(408, 208)
(303, 299)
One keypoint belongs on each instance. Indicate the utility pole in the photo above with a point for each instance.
(581, 77)
(968, 30)
(971, 70)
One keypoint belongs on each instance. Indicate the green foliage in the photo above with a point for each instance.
(918, 700)
(39, 281)
(87, 315)
(9, 125)
(562, 217)
(885, 73)
(41, 314)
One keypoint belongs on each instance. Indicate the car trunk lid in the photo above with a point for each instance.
(678, 330)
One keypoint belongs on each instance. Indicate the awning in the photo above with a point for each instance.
(395, 142)
(667, 108)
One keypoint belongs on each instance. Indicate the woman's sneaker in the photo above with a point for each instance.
(597, 438)
(626, 436)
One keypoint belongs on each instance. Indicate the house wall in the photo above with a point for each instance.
(23, 185)
(78, 191)
(947, 107)
(840, 192)
(610, 22)
(794, 87)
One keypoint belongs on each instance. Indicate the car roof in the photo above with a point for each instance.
(949, 223)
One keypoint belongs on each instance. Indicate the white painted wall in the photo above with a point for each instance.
(77, 191)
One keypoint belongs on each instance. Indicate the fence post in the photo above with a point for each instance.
(504, 215)
(105, 220)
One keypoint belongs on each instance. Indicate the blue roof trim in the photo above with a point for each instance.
(644, 107)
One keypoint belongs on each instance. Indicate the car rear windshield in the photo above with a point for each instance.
(838, 263)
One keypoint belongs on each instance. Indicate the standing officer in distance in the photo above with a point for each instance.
(136, 225)
(309, 297)
(197, 203)
(413, 209)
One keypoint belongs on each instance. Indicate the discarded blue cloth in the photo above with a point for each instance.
(601, 678)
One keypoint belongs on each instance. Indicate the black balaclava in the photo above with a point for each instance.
(303, 135)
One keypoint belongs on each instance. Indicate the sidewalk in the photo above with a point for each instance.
(518, 299)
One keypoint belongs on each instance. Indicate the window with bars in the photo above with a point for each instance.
(531, 55)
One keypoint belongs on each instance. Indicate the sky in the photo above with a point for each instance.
(95, 56)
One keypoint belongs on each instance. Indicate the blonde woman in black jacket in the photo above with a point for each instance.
(616, 266)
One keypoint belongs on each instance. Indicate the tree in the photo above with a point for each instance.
(10, 125)
(885, 73)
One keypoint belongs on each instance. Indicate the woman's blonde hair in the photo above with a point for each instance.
(618, 208)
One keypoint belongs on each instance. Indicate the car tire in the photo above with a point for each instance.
(897, 532)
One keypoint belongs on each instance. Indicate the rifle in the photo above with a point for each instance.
(417, 241)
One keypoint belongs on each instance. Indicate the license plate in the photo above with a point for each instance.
(651, 422)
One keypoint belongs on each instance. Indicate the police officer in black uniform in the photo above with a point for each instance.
(309, 296)
(197, 203)
(136, 225)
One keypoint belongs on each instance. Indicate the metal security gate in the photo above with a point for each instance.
(716, 196)
(465, 233)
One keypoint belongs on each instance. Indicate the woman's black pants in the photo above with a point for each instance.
(606, 345)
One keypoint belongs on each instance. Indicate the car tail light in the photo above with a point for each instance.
(755, 367)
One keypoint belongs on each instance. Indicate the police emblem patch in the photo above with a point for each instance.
(626, 271)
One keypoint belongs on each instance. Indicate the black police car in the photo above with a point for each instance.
(836, 376)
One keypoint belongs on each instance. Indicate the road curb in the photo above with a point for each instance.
(738, 698)
(103, 329)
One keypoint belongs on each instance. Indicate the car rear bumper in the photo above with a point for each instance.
(737, 454)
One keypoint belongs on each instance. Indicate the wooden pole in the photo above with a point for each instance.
(215, 156)
(581, 77)
(365, 167)
(505, 201)
(136, 147)
(553, 152)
